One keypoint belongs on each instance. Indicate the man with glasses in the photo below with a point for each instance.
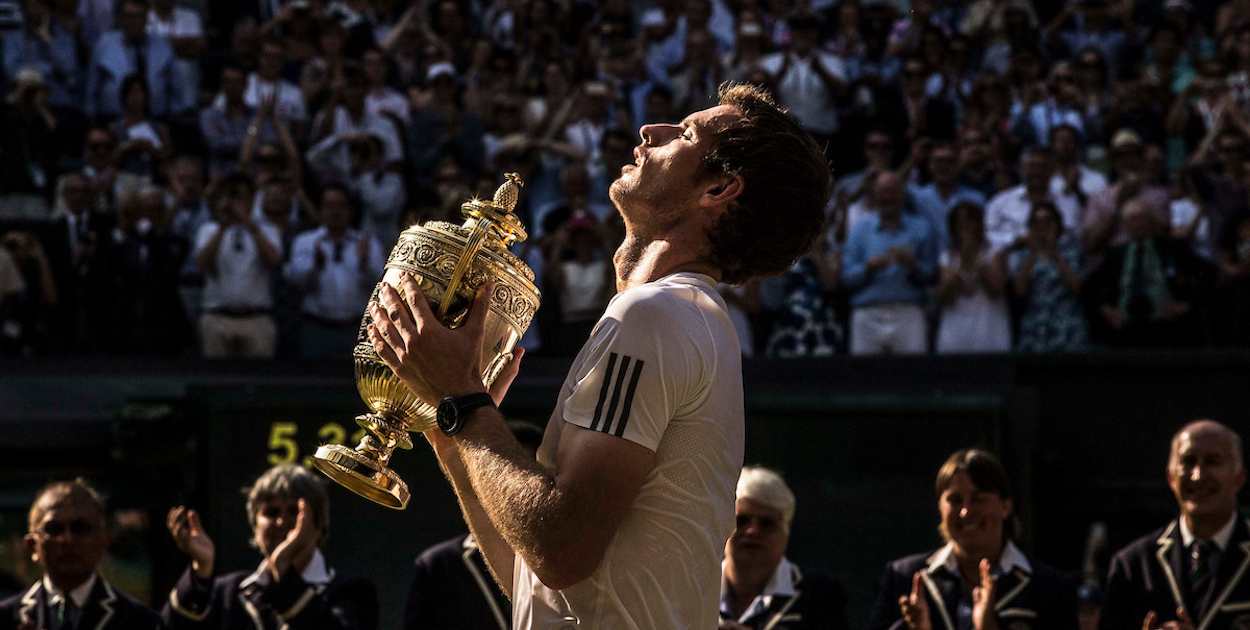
(760, 587)
(68, 538)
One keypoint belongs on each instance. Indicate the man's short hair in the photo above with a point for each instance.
(60, 492)
(291, 482)
(1233, 438)
(766, 487)
(985, 472)
(781, 209)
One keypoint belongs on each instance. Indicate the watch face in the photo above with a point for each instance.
(447, 415)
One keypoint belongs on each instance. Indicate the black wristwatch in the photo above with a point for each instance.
(453, 410)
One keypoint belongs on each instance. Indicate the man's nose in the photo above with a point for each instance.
(657, 133)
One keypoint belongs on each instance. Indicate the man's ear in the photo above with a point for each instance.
(721, 191)
(29, 542)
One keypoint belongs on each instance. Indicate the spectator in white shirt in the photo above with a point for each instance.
(1008, 213)
(182, 28)
(1071, 177)
(345, 113)
(380, 192)
(267, 82)
(806, 80)
(336, 267)
(381, 98)
(237, 255)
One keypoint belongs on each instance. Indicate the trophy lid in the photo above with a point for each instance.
(497, 214)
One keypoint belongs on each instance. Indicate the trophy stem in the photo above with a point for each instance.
(364, 469)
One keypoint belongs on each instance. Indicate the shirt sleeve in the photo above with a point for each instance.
(643, 363)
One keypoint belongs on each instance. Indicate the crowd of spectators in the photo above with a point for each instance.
(226, 178)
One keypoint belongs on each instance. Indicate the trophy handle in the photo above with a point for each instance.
(462, 266)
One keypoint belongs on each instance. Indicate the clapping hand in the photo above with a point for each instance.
(983, 596)
(190, 537)
(915, 607)
(299, 541)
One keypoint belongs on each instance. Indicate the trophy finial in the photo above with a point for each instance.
(508, 193)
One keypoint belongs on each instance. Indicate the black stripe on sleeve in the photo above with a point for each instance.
(603, 390)
(629, 398)
(616, 395)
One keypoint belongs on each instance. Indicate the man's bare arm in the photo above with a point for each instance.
(560, 522)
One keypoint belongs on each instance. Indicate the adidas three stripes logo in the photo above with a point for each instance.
(618, 384)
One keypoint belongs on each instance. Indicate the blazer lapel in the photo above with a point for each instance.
(32, 605)
(1168, 552)
(98, 610)
(943, 593)
(1232, 569)
(1010, 586)
(782, 612)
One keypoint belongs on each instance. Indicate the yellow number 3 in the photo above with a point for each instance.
(282, 442)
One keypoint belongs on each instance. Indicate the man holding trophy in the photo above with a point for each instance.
(622, 520)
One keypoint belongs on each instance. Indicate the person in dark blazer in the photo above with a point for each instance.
(761, 589)
(293, 588)
(452, 586)
(980, 580)
(69, 537)
(1192, 573)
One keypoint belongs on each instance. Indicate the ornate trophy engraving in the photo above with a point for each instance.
(449, 262)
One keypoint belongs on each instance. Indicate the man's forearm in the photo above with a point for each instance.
(519, 496)
(499, 556)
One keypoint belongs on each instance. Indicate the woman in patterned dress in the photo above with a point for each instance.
(1047, 283)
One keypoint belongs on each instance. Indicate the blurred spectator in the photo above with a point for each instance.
(974, 316)
(887, 262)
(807, 324)
(1104, 216)
(1191, 221)
(1072, 178)
(1046, 282)
(1219, 175)
(381, 98)
(226, 123)
(345, 113)
(1167, 64)
(1046, 106)
(80, 263)
(742, 302)
(28, 295)
(45, 45)
(1147, 291)
(914, 111)
(69, 536)
(190, 211)
(807, 80)
(1200, 107)
(144, 260)
(695, 87)
(28, 150)
(1097, 28)
(580, 276)
(1198, 551)
(267, 83)
(336, 267)
(182, 28)
(452, 586)
(237, 255)
(288, 511)
(980, 579)
(126, 52)
(979, 167)
(935, 200)
(143, 143)
(1007, 215)
(101, 167)
(760, 586)
(1234, 261)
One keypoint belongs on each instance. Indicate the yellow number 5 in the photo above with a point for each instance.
(281, 437)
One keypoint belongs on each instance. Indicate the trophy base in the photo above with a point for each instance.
(362, 475)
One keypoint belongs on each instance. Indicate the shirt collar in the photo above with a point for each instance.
(1221, 538)
(315, 573)
(1011, 558)
(79, 595)
(780, 585)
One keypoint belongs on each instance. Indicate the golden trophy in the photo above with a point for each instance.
(449, 262)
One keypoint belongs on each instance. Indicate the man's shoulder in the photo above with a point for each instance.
(133, 612)
(660, 300)
(909, 565)
(450, 549)
(13, 602)
(1009, 195)
(821, 583)
(1143, 546)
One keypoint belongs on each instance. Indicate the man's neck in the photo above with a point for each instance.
(1205, 527)
(639, 261)
(745, 586)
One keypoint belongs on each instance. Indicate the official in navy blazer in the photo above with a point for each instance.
(1190, 574)
(293, 588)
(980, 580)
(761, 589)
(68, 538)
